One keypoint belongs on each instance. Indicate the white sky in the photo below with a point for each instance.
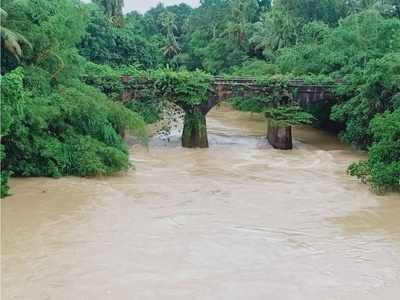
(144, 5)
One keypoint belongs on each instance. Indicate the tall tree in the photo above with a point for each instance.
(171, 48)
(243, 12)
(277, 30)
(112, 9)
(328, 11)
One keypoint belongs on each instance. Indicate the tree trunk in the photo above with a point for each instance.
(280, 137)
(194, 130)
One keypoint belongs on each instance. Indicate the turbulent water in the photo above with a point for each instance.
(239, 220)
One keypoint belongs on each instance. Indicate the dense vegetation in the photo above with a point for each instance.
(56, 119)
(52, 124)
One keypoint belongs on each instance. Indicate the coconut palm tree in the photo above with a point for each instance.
(171, 47)
(277, 30)
(12, 41)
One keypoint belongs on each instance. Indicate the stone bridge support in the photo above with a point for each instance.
(194, 133)
(195, 125)
(280, 137)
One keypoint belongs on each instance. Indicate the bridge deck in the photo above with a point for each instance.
(226, 87)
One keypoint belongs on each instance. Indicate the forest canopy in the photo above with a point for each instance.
(54, 122)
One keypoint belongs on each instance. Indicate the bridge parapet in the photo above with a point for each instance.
(304, 93)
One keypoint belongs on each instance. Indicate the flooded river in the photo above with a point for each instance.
(239, 220)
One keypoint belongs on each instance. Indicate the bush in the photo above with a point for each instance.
(382, 168)
(4, 175)
(72, 130)
(371, 92)
(251, 103)
(255, 68)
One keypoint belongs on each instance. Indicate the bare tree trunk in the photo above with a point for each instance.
(280, 137)
(194, 130)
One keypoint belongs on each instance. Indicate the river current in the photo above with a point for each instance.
(239, 220)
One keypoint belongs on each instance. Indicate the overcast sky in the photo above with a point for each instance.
(144, 5)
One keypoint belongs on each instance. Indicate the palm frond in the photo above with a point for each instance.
(13, 42)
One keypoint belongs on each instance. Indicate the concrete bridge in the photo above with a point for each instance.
(225, 88)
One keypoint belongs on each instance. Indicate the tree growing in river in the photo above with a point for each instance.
(280, 122)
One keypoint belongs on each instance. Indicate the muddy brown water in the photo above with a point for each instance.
(239, 220)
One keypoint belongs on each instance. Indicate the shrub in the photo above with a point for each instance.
(382, 168)
(71, 130)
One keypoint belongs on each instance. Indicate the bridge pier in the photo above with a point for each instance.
(279, 137)
(194, 129)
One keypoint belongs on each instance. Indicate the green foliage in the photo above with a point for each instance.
(4, 183)
(250, 103)
(147, 108)
(374, 91)
(6, 120)
(277, 30)
(184, 88)
(284, 116)
(328, 11)
(221, 55)
(52, 124)
(276, 101)
(109, 81)
(74, 130)
(152, 88)
(345, 49)
(276, 91)
(53, 28)
(219, 34)
(382, 168)
(13, 41)
(105, 78)
(255, 67)
(110, 44)
(112, 9)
